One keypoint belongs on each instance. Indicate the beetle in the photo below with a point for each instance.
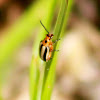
(46, 46)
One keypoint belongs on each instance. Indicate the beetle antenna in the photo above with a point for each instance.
(44, 27)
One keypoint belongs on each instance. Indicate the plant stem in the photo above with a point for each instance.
(36, 86)
(50, 75)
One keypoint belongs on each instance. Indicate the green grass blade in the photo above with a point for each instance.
(33, 79)
(48, 86)
(69, 9)
(36, 86)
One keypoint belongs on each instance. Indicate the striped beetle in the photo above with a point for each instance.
(46, 46)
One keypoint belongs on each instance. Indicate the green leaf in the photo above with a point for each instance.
(50, 75)
(41, 82)
(36, 77)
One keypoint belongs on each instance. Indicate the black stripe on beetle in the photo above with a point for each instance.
(45, 54)
(41, 47)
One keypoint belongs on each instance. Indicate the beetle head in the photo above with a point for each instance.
(50, 35)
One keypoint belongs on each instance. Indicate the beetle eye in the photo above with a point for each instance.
(45, 41)
(51, 34)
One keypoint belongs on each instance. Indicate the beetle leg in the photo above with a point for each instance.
(56, 40)
(51, 48)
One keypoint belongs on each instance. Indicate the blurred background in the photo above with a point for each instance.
(77, 70)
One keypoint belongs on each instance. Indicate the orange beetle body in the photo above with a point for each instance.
(46, 47)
